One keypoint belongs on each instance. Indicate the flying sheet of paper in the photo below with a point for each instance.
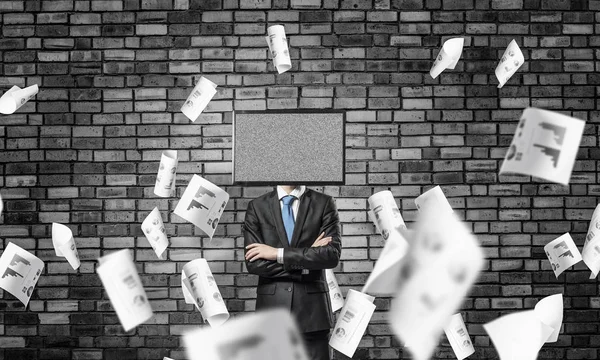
(16, 97)
(64, 244)
(202, 94)
(335, 294)
(458, 336)
(155, 232)
(352, 322)
(521, 335)
(443, 263)
(433, 197)
(167, 174)
(385, 213)
(385, 276)
(545, 145)
(124, 287)
(1, 204)
(278, 47)
(562, 253)
(591, 247)
(20, 272)
(448, 56)
(202, 204)
(200, 288)
(264, 335)
(511, 61)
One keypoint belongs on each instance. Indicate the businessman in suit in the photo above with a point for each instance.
(291, 235)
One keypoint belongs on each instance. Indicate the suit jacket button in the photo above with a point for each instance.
(289, 289)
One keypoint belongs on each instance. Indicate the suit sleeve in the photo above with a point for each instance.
(260, 267)
(322, 257)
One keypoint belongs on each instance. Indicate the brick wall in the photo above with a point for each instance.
(113, 75)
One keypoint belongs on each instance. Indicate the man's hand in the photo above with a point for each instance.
(260, 251)
(321, 241)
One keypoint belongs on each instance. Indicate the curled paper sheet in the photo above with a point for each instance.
(335, 294)
(265, 335)
(199, 98)
(440, 268)
(448, 56)
(124, 287)
(16, 97)
(167, 173)
(352, 322)
(20, 272)
(591, 247)
(511, 61)
(433, 197)
(458, 336)
(200, 288)
(64, 244)
(521, 335)
(155, 232)
(385, 214)
(278, 48)
(562, 253)
(202, 204)
(545, 145)
(385, 277)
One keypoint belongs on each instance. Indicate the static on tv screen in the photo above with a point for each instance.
(288, 148)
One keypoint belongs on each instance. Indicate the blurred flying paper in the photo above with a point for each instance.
(199, 98)
(202, 204)
(352, 322)
(1, 204)
(16, 97)
(200, 288)
(155, 232)
(166, 358)
(20, 272)
(64, 244)
(562, 253)
(458, 336)
(591, 247)
(521, 335)
(509, 64)
(440, 268)
(448, 56)
(385, 214)
(545, 145)
(433, 197)
(335, 294)
(124, 287)
(165, 179)
(278, 47)
(265, 335)
(385, 276)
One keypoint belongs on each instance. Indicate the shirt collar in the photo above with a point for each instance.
(297, 192)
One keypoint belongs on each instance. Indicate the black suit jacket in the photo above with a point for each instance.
(284, 285)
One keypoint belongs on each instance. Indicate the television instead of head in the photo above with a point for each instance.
(289, 148)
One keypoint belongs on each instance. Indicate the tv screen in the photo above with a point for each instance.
(279, 148)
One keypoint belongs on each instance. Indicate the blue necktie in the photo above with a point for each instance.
(288, 216)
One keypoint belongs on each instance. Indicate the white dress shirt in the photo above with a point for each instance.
(297, 192)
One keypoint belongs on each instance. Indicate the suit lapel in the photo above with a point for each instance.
(300, 217)
(276, 213)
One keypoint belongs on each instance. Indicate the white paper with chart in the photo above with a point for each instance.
(335, 294)
(511, 61)
(458, 337)
(433, 197)
(199, 98)
(545, 145)
(167, 174)
(155, 232)
(16, 97)
(200, 288)
(591, 247)
(448, 56)
(352, 322)
(278, 47)
(264, 335)
(562, 253)
(20, 271)
(202, 204)
(124, 287)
